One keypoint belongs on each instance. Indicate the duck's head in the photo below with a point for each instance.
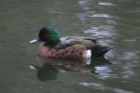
(49, 35)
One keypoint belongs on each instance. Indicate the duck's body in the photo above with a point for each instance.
(67, 47)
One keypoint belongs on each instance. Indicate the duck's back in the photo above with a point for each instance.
(88, 42)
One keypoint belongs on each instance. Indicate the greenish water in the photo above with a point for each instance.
(115, 23)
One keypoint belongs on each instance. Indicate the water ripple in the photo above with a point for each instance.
(103, 72)
(129, 55)
(103, 87)
(105, 31)
(106, 4)
(101, 16)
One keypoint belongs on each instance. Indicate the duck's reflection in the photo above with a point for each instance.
(98, 62)
(50, 67)
(45, 72)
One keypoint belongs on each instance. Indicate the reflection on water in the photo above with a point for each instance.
(101, 15)
(106, 4)
(105, 31)
(126, 62)
(49, 67)
(103, 87)
(45, 72)
(105, 23)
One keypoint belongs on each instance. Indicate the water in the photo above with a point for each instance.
(114, 22)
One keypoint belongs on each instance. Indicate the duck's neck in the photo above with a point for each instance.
(52, 43)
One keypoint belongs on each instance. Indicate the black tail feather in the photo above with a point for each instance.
(99, 50)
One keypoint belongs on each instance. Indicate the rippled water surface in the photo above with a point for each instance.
(115, 23)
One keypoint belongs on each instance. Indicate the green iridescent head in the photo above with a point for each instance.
(49, 35)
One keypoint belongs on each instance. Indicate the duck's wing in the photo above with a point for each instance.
(89, 42)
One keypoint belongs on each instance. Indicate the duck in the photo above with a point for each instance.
(67, 47)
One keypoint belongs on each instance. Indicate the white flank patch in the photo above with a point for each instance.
(88, 55)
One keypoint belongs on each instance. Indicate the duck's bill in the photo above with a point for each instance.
(34, 40)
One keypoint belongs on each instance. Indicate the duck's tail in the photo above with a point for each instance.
(99, 50)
